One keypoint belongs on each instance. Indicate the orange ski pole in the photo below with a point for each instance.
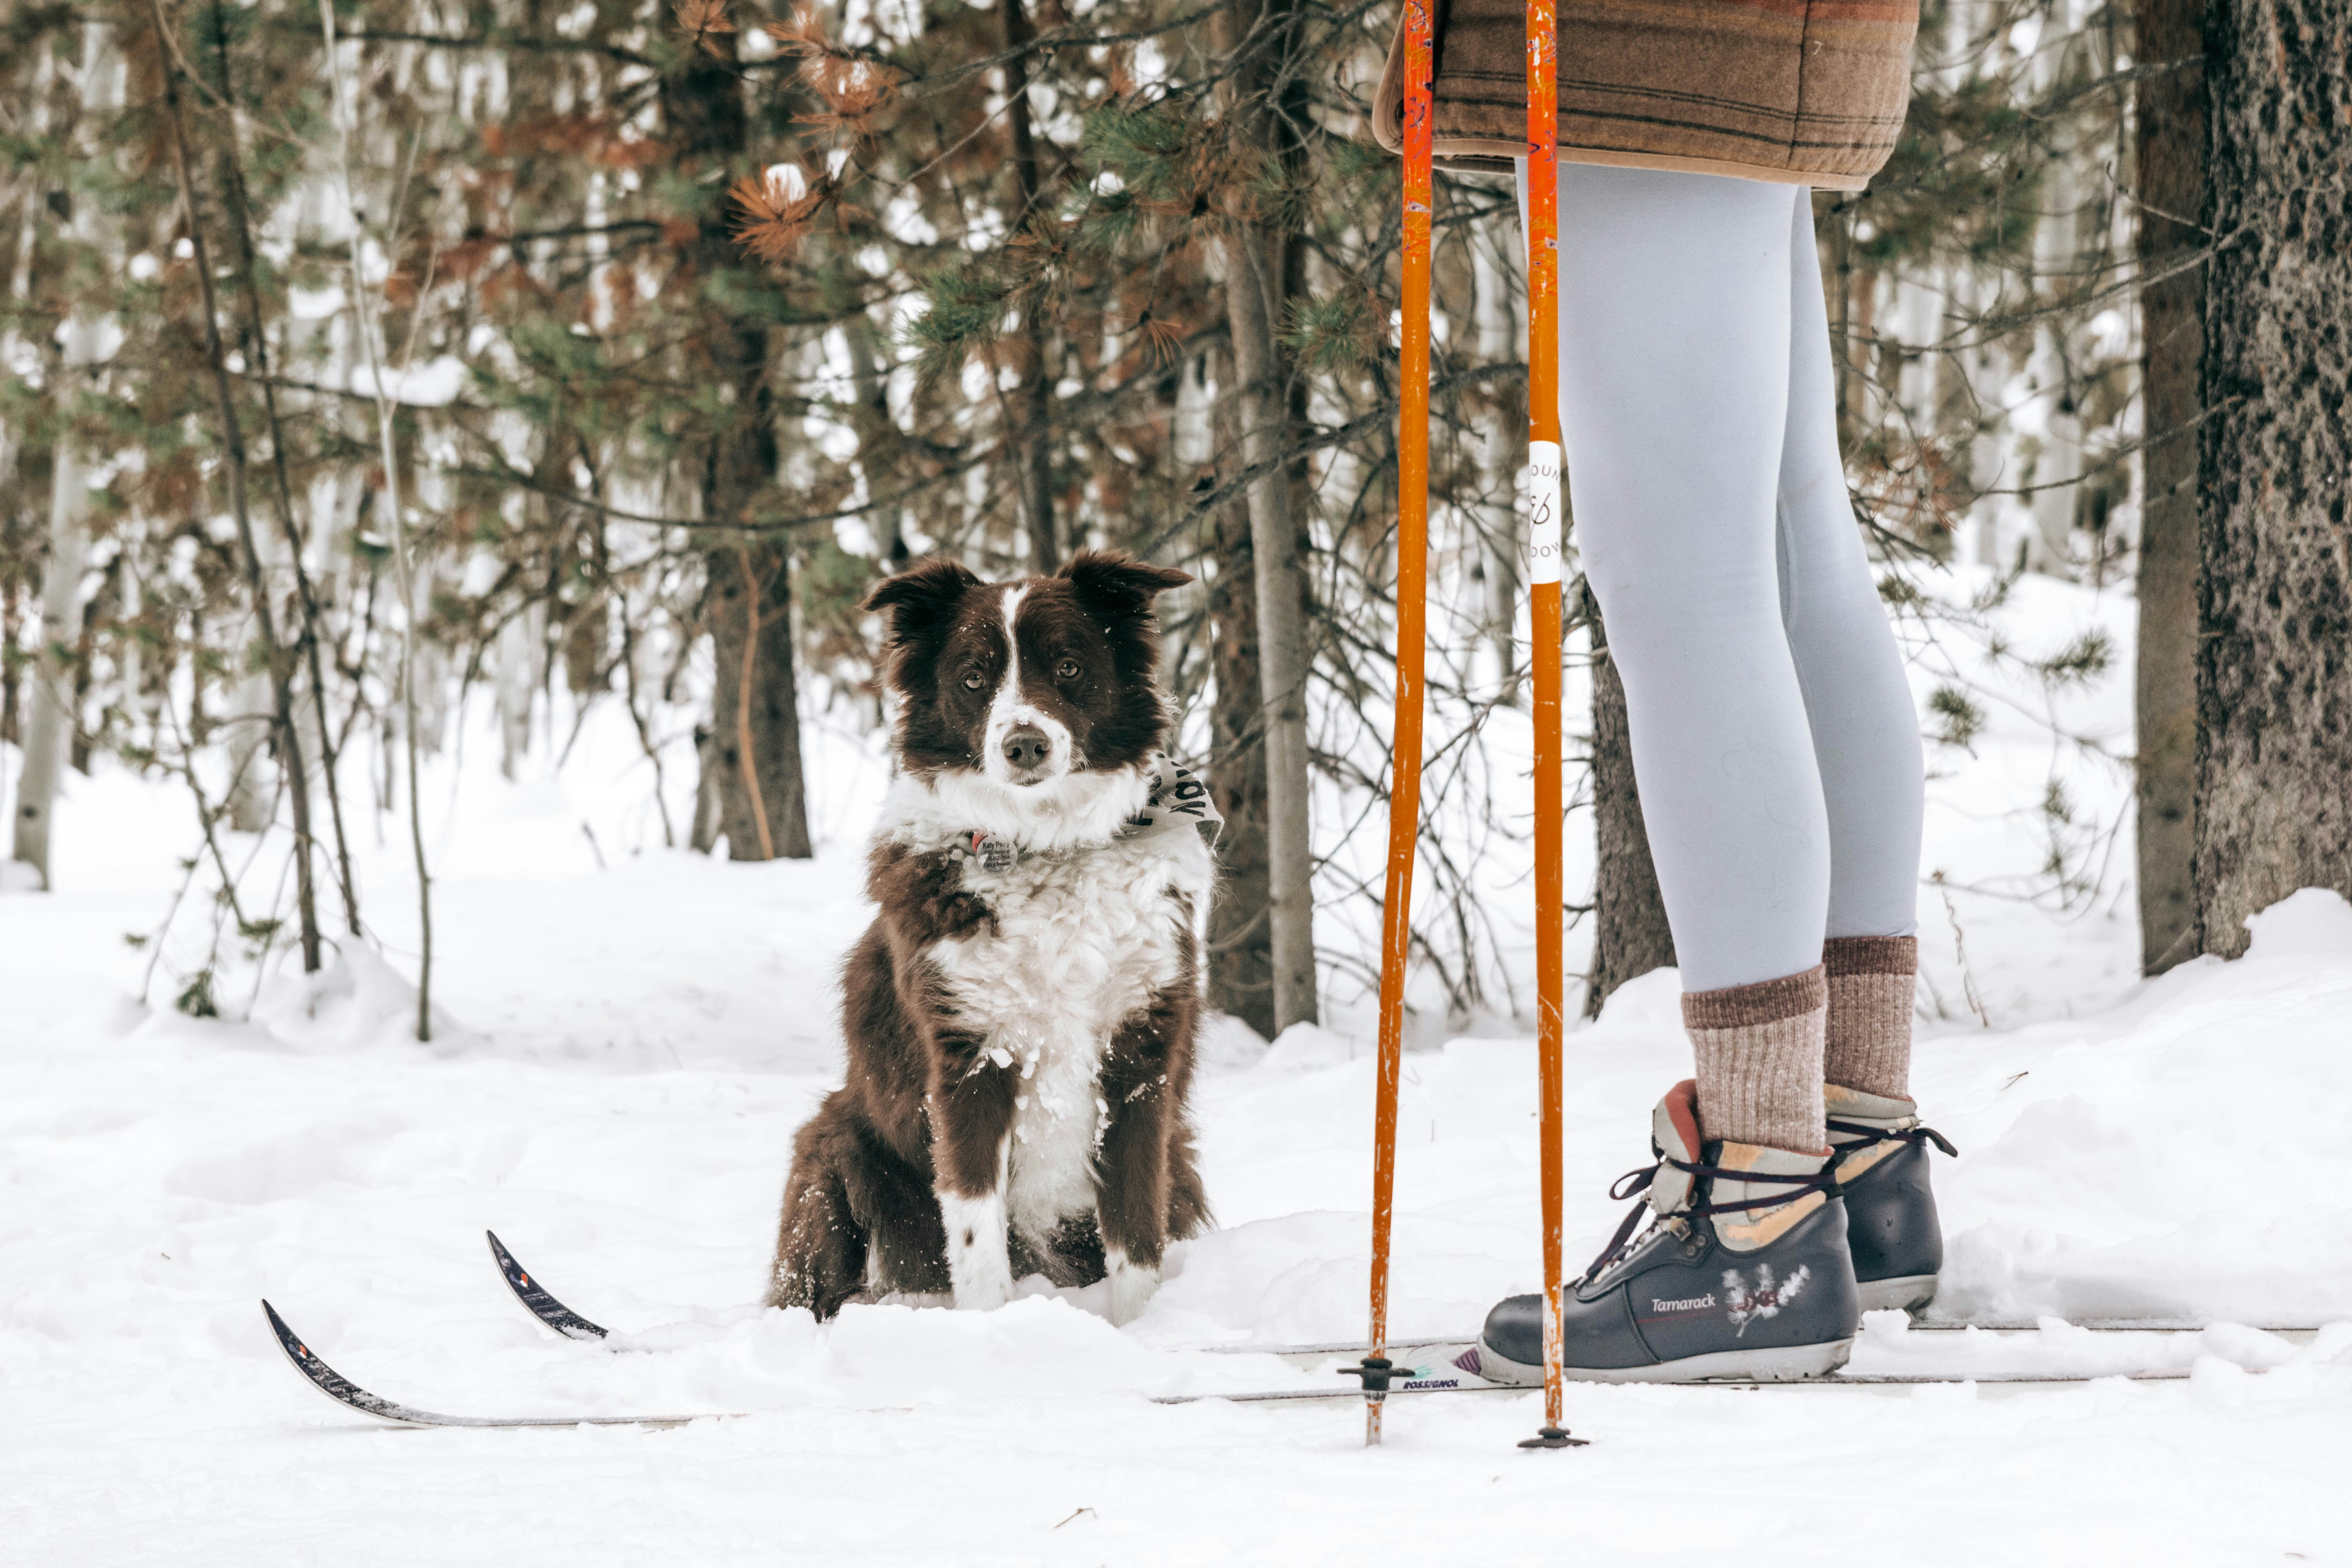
(1543, 578)
(1404, 792)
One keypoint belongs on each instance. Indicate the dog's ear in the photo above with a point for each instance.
(920, 598)
(1114, 580)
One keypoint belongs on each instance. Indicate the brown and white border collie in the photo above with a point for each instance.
(1020, 1016)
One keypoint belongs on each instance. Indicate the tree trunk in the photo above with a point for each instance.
(1630, 935)
(521, 663)
(710, 794)
(12, 594)
(1241, 936)
(49, 723)
(35, 118)
(2057, 469)
(49, 726)
(754, 708)
(1254, 265)
(755, 719)
(878, 446)
(1034, 407)
(2274, 805)
(2169, 115)
(1502, 448)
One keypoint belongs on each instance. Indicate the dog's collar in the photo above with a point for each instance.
(1178, 799)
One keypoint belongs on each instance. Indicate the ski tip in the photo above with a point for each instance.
(536, 1298)
(300, 1354)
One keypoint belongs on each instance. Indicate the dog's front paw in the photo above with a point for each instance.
(984, 1285)
(1131, 1285)
(978, 1267)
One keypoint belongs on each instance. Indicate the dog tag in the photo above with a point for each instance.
(995, 854)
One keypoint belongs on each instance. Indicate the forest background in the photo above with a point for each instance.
(372, 361)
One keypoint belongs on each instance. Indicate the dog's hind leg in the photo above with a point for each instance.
(821, 1246)
(1188, 1196)
(906, 1243)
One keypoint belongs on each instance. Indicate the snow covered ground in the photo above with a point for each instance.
(631, 1035)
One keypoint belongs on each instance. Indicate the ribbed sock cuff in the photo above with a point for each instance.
(1759, 1060)
(1871, 979)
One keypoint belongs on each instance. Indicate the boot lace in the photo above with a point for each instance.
(1635, 1182)
(1864, 1136)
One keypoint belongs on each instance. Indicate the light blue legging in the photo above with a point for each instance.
(1773, 734)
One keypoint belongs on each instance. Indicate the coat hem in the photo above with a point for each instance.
(1471, 154)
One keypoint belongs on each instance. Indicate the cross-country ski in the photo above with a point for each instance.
(541, 1304)
(1433, 1366)
(349, 1395)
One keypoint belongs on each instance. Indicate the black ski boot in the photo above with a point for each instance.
(1742, 1275)
(1881, 1166)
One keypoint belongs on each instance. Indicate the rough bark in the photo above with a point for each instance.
(2275, 664)
(1241, 938)
(748, 603)
(1255, 265)
(755, 712)
(2170, 116)
(1630, 935)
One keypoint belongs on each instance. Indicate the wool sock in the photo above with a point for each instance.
(1870, 984)
(1759, 1060)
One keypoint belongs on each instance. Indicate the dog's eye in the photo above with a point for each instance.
(972, 682)
(1067, 669)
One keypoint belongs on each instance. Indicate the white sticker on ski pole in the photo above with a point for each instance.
(1543, 511)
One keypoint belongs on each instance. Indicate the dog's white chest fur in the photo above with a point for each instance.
(1082, 941)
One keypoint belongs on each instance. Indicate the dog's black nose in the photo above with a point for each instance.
(1026, 747)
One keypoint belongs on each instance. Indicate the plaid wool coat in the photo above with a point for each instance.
(1806, 92)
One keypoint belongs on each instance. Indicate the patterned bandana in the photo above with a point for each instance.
(1179, 798)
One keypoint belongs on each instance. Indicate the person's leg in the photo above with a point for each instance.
(1865, 731)
(1674, 341)
(1866, 736)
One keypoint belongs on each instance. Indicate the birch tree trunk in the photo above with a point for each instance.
(1501, 446)
(12, 346)
(50, 722)
(2169, 115)
(49, 717)
(2058, 466)
(1254, 265)
(2274, 804)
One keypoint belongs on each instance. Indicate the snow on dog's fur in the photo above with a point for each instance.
(1020, 1037)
